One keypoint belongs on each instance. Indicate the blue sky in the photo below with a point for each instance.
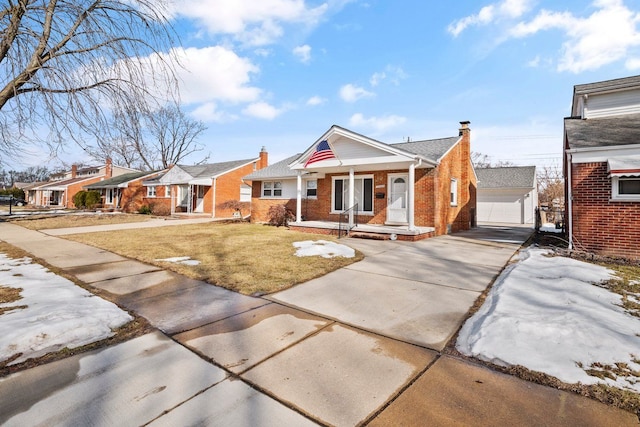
(279, 73)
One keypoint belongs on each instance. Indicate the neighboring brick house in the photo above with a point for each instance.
(412, 190)
(507, 194)
(59, 191)
(602, 168)
(126, 192)
(205, 189)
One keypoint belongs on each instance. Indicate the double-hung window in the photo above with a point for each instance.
(272, 189)
(363, 194)
(312, 188)
(151, 191)
(453, 193)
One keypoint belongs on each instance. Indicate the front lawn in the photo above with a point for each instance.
(76, 220)
(247, 258)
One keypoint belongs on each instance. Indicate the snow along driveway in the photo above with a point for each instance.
(544, 313)
(59, 314)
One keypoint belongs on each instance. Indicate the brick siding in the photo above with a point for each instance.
(602, 226)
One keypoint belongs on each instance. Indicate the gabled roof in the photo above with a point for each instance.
(431, 149)
(280, 169)
(607, 86)
(214, 169)
(119, 181)
(602, 132)
(62, 185)
(507, 177)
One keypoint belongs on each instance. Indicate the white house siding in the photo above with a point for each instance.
(510, 206)
(613, 104)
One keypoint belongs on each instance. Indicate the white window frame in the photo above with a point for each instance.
(358, 191)
(313, 187)
(151, 191)
(615, 190)
(453, 192)
(273, 187)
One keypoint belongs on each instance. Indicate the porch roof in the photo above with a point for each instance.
(62, 185)
(119, 181)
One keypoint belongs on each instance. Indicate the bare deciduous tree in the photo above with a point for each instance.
(152, 140)
(480, 160)
(550, 185)
(65, 65)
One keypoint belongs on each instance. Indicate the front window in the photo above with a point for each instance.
(272, 189)
(626, 188)
(363, 194)
(312, 188)
(453, 198)
(151, 191)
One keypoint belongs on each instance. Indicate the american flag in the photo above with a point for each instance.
(323, 152)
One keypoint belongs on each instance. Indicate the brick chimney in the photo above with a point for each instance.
(74, 171)
(264, 159)
(108, 169)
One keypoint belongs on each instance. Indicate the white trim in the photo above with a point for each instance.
(273, 189)
(356, 177)
(616, 196)
(453, 190)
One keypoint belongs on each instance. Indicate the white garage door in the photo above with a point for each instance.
(500, 208)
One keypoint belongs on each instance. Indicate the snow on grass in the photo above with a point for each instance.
(186, 260)
(58, 314)
(323, 248)
(544, 313)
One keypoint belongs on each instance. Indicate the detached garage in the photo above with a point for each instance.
(507, 194)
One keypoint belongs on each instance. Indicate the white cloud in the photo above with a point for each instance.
(316, 100)
(352, 93)
(253, 22)
(632, 64)
(379, 124)
(505, 9)
(208, 112)
(303, 53)
(602, 38)
(391, 73)
(262, 110)
(215, 74)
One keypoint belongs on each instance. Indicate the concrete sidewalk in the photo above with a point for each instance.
(360, 345)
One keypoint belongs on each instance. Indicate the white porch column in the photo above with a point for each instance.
(299, 198)
(352, 196)
(411, 196)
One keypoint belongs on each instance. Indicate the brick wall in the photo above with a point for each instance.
(600, 225)
(228, 189)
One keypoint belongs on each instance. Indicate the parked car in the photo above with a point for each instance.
(6, 200)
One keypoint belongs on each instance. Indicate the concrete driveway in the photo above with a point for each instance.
(416, 292)
(358, 346)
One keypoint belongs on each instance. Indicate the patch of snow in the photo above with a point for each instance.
(323, 248)
(186, 260)
(544, 313)
(550, 228)
(59, 314)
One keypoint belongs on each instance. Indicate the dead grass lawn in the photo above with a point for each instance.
(72, 220)
(247, 258)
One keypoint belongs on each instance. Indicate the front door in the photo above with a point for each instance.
(398, 198)
(199, 198)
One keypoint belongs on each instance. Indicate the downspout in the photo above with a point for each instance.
(570, 200)
(214, 182)
(352, 196)
(412, 194)
(299, 197)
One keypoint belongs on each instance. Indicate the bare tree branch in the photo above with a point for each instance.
(68, 65)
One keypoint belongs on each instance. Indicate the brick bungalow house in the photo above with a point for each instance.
(507, 194)
(59, 191)
(602, 168)
(409, 191)
(204, 189)
(126, 192)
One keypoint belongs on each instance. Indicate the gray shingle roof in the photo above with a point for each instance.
(117, 180)
(607, 85)
(506, 177)
(277, 170)
(602, 132)
(213, 169)
(432, 149)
